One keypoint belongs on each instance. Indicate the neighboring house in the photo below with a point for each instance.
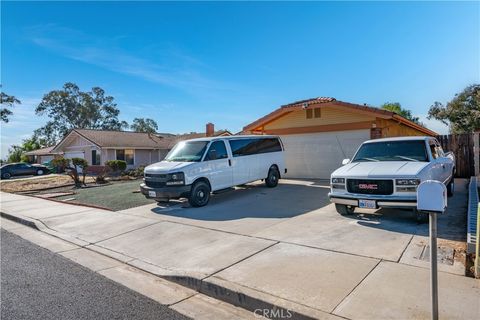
(318, 133)
(99, 146)
(135, 148)
(209, 132)
(42, 155)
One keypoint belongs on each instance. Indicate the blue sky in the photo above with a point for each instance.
(185, 64)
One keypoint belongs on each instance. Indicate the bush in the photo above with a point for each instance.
(116, 165)
(60, 164)
(136, 173)
(78, 163)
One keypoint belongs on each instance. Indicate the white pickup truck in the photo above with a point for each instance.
(386, 173)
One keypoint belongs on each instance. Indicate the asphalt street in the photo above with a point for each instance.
(39, 284)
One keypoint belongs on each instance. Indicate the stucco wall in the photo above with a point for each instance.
(142, 157)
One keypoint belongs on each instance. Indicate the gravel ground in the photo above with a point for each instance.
(115, 196)
(38, 284)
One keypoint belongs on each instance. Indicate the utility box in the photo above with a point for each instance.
(432, 196)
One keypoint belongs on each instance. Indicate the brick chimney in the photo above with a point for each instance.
(210, 129)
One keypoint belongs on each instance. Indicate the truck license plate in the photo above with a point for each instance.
(368, 204)
(152, 194)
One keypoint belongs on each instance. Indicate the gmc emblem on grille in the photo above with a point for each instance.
(368, 186)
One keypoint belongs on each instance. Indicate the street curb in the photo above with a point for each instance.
(238, 298)
(213, 290)
(24, 221)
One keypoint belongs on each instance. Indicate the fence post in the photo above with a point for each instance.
(476, 152)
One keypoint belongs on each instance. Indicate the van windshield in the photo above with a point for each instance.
(413, 150)
(187, 151)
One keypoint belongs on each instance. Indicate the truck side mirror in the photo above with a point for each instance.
(345, 161)
(432, 196)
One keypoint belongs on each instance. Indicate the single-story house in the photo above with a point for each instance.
(318, 133)
(136, 148)
(42, 155)
(99, 146)
(209, 132)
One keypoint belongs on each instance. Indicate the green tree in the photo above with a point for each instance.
(397, 108)
(7, 102)
(70, 108)
(78, 163)
(144, 125)
(15, 153)
(462, 113)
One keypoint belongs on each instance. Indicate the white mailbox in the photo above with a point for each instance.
(432, 196)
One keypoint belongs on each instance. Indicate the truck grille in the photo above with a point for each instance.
(156, 175)
(155, 184)
(368, 186)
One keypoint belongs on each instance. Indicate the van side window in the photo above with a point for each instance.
(268, 145)
(243, 147)
(216, 151)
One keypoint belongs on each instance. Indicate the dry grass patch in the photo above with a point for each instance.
(34, 184)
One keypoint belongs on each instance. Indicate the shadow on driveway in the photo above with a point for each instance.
(290, 198)
(451, 225)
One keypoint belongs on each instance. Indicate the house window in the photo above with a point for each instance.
(95, 158)
(313, 113)
(125, 155)
(309, 113)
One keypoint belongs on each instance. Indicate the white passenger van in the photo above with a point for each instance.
(195, 168)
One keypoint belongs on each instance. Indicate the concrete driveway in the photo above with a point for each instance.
(284, 246)
(299, 212)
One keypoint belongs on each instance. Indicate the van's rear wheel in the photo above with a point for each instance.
(273, 176)
(200, 194)
(344, 210)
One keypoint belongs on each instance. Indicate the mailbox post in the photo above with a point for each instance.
(432, 199)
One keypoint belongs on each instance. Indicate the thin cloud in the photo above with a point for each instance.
(106, 54)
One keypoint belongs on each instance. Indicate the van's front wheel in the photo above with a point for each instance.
(200, 194)
(272, 178)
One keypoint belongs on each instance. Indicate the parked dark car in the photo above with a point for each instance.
(22, 169)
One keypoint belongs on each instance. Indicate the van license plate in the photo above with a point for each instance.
(368, 204)
(152, 194)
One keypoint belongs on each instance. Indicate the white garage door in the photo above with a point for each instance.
(317, 155)
(75, 154)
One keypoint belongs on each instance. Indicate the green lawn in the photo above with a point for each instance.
(115, 196)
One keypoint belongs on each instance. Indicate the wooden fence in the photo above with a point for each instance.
(462, 146)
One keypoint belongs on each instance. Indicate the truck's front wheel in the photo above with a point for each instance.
(344, 210)
(200, 194)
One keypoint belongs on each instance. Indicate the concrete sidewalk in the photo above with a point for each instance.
(315, 265)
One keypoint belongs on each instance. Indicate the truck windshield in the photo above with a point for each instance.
(413, 150)
(187, 151)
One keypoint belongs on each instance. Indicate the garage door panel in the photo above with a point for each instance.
(316, 155)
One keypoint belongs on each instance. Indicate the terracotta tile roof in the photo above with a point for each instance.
(308, 102)
(41, 152)
(126, 139)
(297, 105)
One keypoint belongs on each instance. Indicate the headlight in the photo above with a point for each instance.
(177, 178)
(338, 180)
(407, 182)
